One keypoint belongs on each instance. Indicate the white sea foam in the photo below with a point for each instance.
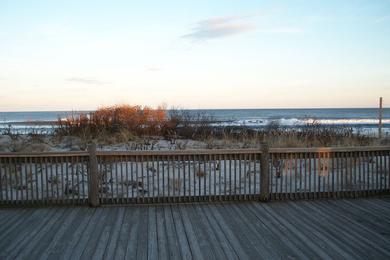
(259, 122)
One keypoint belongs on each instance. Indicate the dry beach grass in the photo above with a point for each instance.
(124, 127)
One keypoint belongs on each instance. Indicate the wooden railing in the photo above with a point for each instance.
(329, 172)
(190, 176)
(44, 178)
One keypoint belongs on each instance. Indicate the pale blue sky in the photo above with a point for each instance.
(66, 55)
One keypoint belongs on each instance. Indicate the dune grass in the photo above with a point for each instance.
(124, 123)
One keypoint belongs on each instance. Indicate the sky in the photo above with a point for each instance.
(80, 55)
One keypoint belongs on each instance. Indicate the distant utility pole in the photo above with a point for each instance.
(380, 118)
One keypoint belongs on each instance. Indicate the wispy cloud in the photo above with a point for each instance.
(153, 69)
(231, 25)
(93, 81)
(220, 27)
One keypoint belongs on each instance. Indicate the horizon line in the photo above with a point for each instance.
(286, 108)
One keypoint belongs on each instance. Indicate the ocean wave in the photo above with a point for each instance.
(259, 122)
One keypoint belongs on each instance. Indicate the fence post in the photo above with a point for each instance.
(93, 189)
(264, 172)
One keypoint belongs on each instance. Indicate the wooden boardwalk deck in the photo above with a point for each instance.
(358, 228)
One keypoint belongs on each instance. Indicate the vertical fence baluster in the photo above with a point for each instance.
(2, 174)
(6, 180)
(153, 170)
(249, 176)
(194, 166)
(272, 174)
(282, 174)
(10, 180)
(133, 183)
(342, 167)
(243, 178)
(361, 173)
(209, 179)
(381, 175)
(295, 195)
(215, 176)
(230, 175)
(288, 175)
(332, 171)
(264, 173)
(145, 180)
(37, 181)
(371, 174)
(20, 180)
(355, 182)
(299, 174)
(207, 174)
(387, 170)
(129, 178)
(376, 172)
(63, 199)
(180, 181)
(341, 174)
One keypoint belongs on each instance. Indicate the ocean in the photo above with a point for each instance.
(363, 119)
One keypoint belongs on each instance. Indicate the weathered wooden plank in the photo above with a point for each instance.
(142, 244)
(21, 232)
(16, 217)
(266, 234)
(184, 247)
(305, 221)
(29, 229)
(94, 235)
(127, 224)
(209, 232)
(234, 224)
(6, 215)
(115, 231)
(132, 241)
(369, 234)
(45, 246)
(216, 218)
(105, 235)
(71, 236)
(359, 238)
(33, 248)
(227, 246)
(304, 230)
(377, 207)
(173, 243)
(327, 226)
(255, 233)
(83, 235)
(289, 239)
(162, 240)
(309, 245)
(152, 234)
(363, 215)
(191, 236)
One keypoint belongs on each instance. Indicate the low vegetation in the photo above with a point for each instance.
(124, 123)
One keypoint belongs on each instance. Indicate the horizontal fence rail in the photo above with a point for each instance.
(191, 176)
